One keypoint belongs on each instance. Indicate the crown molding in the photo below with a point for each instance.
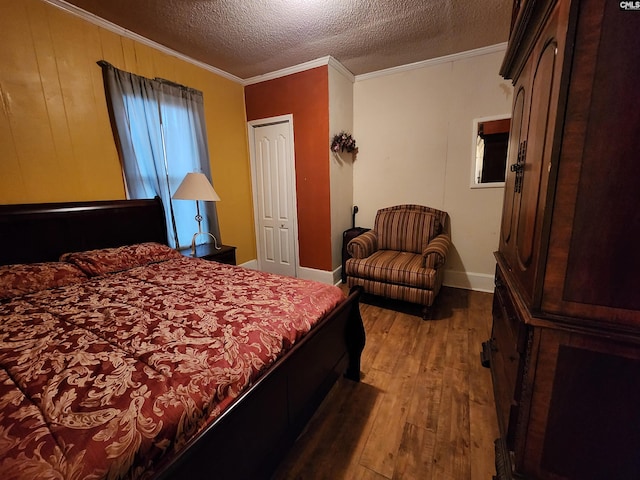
(318, 62)
(112, 27)
(500, 47)
(328, 60)
(341, 69)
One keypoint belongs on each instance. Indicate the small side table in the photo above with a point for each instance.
(226, 254)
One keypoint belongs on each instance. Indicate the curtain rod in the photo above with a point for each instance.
(105, 64)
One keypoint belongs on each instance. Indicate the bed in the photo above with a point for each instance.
(121, 358)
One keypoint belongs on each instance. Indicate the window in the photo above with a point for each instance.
(161, 135)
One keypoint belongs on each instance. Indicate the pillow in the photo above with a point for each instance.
(20, 279)
(112, 260)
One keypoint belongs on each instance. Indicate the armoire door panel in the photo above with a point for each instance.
(536, 154)
(539, 123)
(593, 256)
(604, 259)
(606, 451)
(511, 198)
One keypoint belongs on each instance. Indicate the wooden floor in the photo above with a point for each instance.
(424, 408)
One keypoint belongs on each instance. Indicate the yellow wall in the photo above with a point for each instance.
(56, 142)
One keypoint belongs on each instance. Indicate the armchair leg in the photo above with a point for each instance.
(427, 313)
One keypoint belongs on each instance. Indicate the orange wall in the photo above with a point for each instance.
(56, 142)
(306, 96)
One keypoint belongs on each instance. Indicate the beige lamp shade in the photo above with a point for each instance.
(196, 186)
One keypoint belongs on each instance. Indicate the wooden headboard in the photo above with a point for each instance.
(42, 232)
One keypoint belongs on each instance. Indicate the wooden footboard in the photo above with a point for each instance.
(252, 436)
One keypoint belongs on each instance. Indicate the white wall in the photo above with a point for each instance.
(414, 133)
(341, 170)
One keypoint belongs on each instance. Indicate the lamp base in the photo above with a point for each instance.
(193, 242)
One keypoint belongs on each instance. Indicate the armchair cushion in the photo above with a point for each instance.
(406, 229)
(390, 266)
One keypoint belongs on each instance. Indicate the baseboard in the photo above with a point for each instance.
(251, 264)
(322, 276)
(480, 282)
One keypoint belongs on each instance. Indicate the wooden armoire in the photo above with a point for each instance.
(565, 345)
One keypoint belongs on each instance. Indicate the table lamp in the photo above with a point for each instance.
(196, 186)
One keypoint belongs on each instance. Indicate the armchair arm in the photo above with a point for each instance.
(363, 245)
(436, 252)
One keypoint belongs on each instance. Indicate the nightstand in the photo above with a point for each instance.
(226, 254)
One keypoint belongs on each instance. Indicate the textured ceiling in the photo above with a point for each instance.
(247, 38)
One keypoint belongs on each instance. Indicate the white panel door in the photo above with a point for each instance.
(275, 198)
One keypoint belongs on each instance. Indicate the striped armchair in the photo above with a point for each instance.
(403, 256)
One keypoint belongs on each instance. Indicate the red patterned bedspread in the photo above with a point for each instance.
(99, 379)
